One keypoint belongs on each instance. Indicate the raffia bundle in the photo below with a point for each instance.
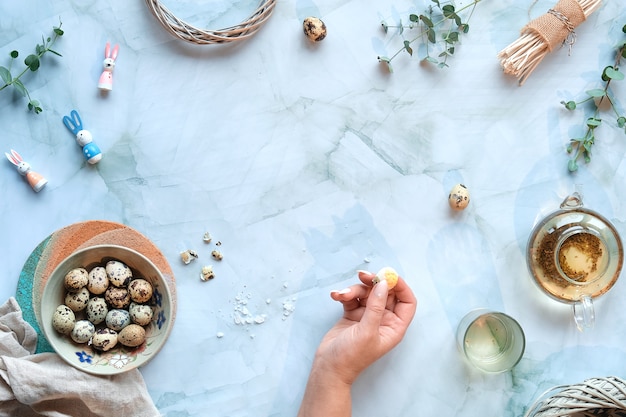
(189, 33)
(541, 35)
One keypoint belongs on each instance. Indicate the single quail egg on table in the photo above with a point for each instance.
(63, 319)
(76, 279)
(314, 29)
(459, 197)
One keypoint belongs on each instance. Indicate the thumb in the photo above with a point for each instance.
(375, 306)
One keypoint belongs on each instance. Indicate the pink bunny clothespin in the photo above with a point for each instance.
(106, 79)
(36, 181)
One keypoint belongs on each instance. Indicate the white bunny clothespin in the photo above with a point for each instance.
(106, 79)
(91, 151)
(36, 181)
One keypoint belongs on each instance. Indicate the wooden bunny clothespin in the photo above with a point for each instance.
(83, 137)
(36, 181)
(106, 78)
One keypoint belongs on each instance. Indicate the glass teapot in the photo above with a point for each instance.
(575, 255)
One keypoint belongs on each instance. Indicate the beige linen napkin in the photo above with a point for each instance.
(44, 385)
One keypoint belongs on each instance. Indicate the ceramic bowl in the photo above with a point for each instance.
(120, 358)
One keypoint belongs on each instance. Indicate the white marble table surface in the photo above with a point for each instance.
(309, 162)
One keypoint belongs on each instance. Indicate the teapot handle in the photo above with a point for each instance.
(584, 313)
(572, 201)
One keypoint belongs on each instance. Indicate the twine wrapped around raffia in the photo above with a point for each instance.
(541, 35)
(594, 397)
(189, 33)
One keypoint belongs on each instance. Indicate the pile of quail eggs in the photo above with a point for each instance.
(105, 306)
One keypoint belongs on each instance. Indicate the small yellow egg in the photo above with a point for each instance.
(388, 274)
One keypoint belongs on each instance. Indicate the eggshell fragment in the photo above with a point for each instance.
(388, 274)
(459, 197)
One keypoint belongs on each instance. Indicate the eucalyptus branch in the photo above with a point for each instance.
(581, 147)
(33, 63)
(439, 28)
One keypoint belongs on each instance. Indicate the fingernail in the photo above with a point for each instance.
(380, 289)
(344, 291)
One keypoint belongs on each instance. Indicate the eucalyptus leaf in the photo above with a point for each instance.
(5, 74)
(596, 92)
(20, 87)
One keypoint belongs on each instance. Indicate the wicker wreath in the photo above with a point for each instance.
(192, 34)
(593, 397)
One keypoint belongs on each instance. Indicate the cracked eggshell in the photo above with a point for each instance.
(119, 273)
(82, 331)
(78, 300)
(140, 314)
(98, 280)
(76, 279)
(63, 319)
(104, 339)
(117, 319)
(459, 197)
(132, 335)
(96, 310)
(140, 290)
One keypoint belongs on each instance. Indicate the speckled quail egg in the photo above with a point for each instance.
(82, 331)
(459, 197)
(388, 274)
(96, 310)
(98, 280)
(119, 273)
(117, 319)
(140, 313)
(314, 29)
(78, 300)
(140, 290)
(63, 319)
(117, 297)
(104, 339)
(132, 335)
(76, 279)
